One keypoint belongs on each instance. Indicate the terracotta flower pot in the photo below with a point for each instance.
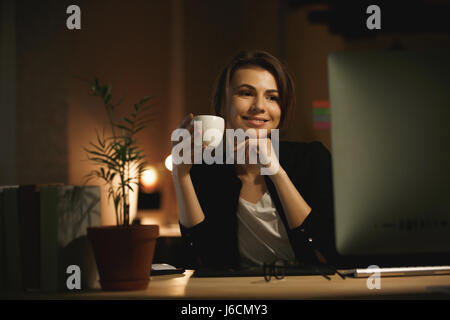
(124, 255)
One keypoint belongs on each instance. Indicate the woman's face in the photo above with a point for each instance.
(253, 101)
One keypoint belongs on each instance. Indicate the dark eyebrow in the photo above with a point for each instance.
(253, 88)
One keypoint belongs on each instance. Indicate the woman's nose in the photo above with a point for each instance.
(258, 104)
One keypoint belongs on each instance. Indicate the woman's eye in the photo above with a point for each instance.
(245, 93)
(273, 98)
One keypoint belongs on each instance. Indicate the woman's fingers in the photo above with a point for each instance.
(241, 145)
(259, 148)
(186, 121)
(246, 146)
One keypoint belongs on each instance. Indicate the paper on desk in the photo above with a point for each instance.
(162, 266)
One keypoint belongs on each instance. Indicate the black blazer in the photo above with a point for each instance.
(213, 242)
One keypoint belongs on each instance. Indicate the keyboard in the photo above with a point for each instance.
(397, 271)
(259, 272)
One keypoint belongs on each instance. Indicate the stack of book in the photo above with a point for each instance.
(43, 231)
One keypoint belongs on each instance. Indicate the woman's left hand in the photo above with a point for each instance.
(263, 150)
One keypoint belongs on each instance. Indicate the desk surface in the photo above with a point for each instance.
(183, 286)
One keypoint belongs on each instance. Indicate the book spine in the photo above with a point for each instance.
(13, 269)
(49, 241)
(29, 236)
(2, 244)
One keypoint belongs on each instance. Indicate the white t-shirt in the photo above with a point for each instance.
(262, 236)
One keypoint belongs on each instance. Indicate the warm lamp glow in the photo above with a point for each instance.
(149, 178)
(168, 162)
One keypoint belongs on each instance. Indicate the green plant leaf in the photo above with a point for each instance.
(128, 120)
(145, 99)
(102, 155)
(123, 127)
(139, 129)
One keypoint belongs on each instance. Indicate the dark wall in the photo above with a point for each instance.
(41, 95)
(7, 93)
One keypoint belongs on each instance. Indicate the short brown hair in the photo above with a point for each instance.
(263, 60)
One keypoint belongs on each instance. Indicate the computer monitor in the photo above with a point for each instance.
(390, 141)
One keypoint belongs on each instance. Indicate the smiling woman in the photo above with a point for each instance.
(253, 100)
(256, 75)
(232, 215)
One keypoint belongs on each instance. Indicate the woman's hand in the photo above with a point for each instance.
(187, 143)
(265, 154)
(189, 209)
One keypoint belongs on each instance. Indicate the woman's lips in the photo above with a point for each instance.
(255, 122)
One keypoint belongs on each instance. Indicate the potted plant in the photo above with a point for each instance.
(124, 252)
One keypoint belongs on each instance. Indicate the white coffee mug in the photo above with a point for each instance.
(212, 129)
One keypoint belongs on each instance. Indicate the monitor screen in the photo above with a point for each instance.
(390, 140)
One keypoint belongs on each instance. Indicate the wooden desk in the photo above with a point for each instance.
(183, 286)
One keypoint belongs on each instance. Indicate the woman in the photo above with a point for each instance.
(231, 215)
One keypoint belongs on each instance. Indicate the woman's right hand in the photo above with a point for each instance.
(189, 209)
(184, 168)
